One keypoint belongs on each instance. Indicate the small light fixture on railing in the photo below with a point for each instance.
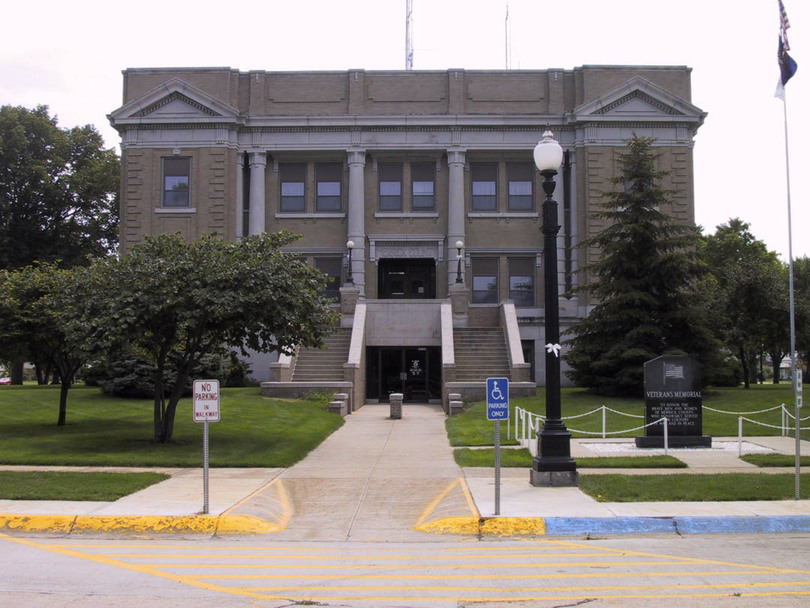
(459, 247)
(349, 246)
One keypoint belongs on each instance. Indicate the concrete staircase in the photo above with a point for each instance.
(480, 353)
(316, 365)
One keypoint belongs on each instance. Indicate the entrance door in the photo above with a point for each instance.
(407, 279)
(416, 375)
(413, 371)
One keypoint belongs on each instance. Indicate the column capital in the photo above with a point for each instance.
(456, 156)
(258, 158)
(356, 156)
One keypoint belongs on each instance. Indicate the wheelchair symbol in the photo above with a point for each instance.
(496, 394)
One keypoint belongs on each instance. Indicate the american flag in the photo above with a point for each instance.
(785, 24)
(787, 65)
(673, 371)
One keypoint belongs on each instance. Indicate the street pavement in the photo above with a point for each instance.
(378, 479)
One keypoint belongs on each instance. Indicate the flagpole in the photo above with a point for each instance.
(793, 375)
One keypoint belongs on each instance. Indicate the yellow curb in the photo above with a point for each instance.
(195, 524)
(60, 524)
(493, 526)
(450, 525)
(513, 526)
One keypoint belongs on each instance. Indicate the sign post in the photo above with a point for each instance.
(497, 410)
(206, 409)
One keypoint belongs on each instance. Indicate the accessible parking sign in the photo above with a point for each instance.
(497, 399)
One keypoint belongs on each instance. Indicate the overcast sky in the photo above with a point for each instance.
(69, 56)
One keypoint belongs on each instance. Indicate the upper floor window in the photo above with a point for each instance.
(484, 186)
(293, 186)
(390, 175)
(176, 182)
(521, 194)
(423, 179)
(328, 178)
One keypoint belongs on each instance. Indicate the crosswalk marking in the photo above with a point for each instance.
(422, 573)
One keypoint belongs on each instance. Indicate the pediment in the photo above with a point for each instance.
(174, 101)
(639, 99)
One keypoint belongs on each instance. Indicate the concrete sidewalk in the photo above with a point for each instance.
(382, 479)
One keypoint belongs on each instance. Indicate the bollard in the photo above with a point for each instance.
(395, 400)
(338, 407)
(345, 398)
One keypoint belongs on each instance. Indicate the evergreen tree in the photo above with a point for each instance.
(645, 284)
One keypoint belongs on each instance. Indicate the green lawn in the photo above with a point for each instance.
(776, 460)
(53, 485)
(485, 457)
(253, 431)
(472, 428)
(686, 487)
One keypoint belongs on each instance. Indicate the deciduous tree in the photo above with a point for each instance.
(58, 191)
(752, 294)
(173, 299)
(40, 321)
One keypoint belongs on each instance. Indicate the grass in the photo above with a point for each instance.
(253, 431)
(775, 460)
(52, 485)
(471, 428)
(485, 457)
(686, 487)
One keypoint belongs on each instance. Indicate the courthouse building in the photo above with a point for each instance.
(415, 191)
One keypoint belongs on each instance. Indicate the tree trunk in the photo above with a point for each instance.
(63, 395)
(776, 359)
(159, 401)
(171, 408)
(745, 367)
(17, 373)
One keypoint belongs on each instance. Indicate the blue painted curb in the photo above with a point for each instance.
(562, 526)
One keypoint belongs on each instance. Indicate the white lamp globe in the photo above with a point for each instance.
(548, 153)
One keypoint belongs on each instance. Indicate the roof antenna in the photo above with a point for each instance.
(507, 40)
(408, 34)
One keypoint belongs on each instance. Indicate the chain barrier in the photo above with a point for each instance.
(528, 423)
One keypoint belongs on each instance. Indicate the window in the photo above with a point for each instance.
(333, 268)
(484, 189)
(521, 281)
(176, 178)
(390, 186)
(485, 280)
(520, 176)
(423, 177)
(328, 177)
(293, 186)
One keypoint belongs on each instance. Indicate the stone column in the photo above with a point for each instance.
(455, 211)
(239, 230)
(258, 165)
(356, 216)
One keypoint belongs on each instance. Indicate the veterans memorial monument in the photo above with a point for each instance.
(673, 387)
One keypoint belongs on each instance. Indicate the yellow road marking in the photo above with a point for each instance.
(588, 575)
(742, 589)
(543, 589)
(142, 569)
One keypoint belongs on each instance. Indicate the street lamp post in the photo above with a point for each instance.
(459, 246)
(553, 465)
(349, 246)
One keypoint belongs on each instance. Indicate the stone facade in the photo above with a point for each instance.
(404, 164)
